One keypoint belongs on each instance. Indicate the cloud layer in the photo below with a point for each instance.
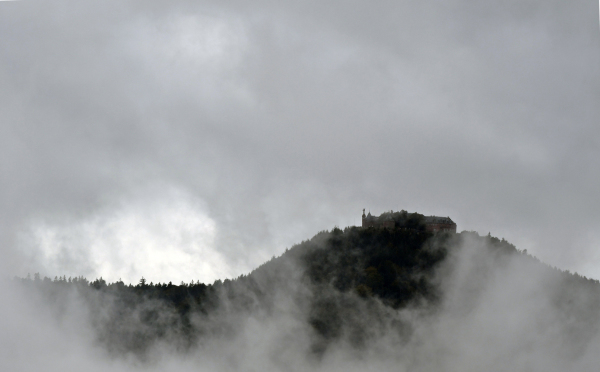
(283, 119)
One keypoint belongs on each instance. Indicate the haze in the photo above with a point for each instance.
(194, 140)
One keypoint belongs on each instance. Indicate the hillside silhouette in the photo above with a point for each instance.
(348, 286)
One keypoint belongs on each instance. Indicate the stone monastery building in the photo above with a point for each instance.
(392, 220)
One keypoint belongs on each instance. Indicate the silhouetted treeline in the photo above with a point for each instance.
(345, 283)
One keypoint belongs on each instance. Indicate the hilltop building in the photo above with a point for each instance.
(408, 220)
(435, 223)
(385, 220)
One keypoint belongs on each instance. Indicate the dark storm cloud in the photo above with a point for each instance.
(289, 118)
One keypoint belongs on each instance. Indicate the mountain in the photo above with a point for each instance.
(351, 287)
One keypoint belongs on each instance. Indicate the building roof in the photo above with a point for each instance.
(437, 219)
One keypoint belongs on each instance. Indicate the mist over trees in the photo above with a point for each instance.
(347, 289)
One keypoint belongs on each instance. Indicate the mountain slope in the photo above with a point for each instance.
(345, 287)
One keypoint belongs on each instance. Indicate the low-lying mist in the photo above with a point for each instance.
(349, 300)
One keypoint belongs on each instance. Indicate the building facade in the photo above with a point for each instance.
(435, 223)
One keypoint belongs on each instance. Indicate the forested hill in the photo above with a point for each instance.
(344, 285)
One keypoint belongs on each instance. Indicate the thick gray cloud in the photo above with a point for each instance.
(276, 120)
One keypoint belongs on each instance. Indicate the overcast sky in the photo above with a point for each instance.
(195, 140)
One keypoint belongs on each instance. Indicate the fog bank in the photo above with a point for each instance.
(497, 311)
